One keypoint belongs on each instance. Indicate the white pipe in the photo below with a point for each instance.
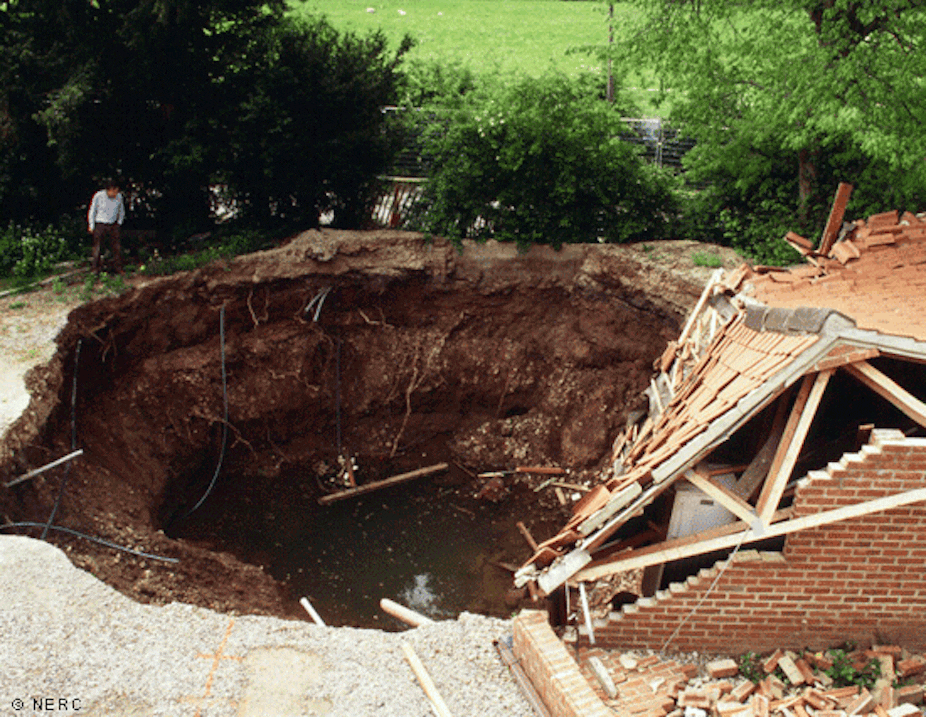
(403, 613)
(588, 614)
(53, 464)
(316, 618)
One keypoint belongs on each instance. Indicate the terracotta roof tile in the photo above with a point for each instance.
(882, 289)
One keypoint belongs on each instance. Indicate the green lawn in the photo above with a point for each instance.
(529, 37)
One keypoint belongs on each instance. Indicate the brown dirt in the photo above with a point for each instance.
(488, 357)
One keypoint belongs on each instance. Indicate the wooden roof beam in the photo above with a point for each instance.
(802, 415)
(649, 556)
(722, 495)
(885, 387)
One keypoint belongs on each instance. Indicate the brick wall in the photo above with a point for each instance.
(862, 579)
(552, 670)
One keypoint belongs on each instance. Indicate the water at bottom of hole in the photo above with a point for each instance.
(427, 544)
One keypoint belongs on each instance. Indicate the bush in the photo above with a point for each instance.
(751, 197)
(26, 251)
(538, 161)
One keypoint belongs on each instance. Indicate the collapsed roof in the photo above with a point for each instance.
(757, 335)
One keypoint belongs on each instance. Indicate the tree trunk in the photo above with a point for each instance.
(806, 183)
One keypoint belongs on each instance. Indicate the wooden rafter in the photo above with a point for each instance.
(805, 408)
(607, 555)
(722, 495)
(757, 470)
(656, 555)
(885, 387)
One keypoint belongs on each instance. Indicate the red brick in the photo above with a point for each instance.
(913, 666)
(722, 668)
(911, 694)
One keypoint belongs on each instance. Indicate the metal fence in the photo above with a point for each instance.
(661, 143)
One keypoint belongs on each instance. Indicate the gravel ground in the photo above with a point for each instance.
(66, 636)
(29, 324)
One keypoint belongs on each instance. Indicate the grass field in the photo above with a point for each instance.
(528, 37)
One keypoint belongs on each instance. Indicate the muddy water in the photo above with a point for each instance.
(428, 544)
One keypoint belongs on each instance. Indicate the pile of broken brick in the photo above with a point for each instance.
(794, 685)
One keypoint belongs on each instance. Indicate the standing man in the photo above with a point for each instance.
(107, 212)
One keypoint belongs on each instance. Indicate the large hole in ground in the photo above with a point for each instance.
(419, 356)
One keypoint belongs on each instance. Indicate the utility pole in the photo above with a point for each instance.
(610, 93)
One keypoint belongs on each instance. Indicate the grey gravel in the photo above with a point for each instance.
(65, 635)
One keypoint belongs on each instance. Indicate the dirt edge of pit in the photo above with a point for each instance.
(655, 287)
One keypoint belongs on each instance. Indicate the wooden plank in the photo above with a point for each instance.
(791, 444)
(757, 470)
(527, 536)
(645, 557)
(427, 684)
(705, 295)
(902, 399)
(833, 224)
(541, 470)
(726, 498)
(604, 556)
(378, 485)
(839, 360)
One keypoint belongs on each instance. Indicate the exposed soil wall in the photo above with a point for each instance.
(498, 359)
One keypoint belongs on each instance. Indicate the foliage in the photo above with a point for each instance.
(176, 96)
(27, 251)
(231, 244)
(786, 99)
(706, 258)
(308, 135)
(750, 665)
(538, 161)
(845, 674)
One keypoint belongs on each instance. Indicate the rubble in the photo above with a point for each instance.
(791, 684)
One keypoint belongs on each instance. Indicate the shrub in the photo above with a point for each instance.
(26, 251)
(538, 161)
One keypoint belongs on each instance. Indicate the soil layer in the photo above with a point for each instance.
(396, 350)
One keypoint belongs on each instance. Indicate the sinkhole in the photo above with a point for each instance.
(382, 351)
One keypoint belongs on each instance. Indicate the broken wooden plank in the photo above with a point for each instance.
(722, 495)
(705, 295)
(541, 470)
(378, 485)
(792, 442)
(427, 684)
(885, 387)
(615, 503)
(46, 467)
(658, 557)
(527, 536)
(833, 224)
(571, 486)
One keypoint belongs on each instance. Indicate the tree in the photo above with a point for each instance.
(821, 84)
(308, 136)
(174, 96)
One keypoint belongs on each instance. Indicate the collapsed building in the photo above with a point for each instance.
(775, 494)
